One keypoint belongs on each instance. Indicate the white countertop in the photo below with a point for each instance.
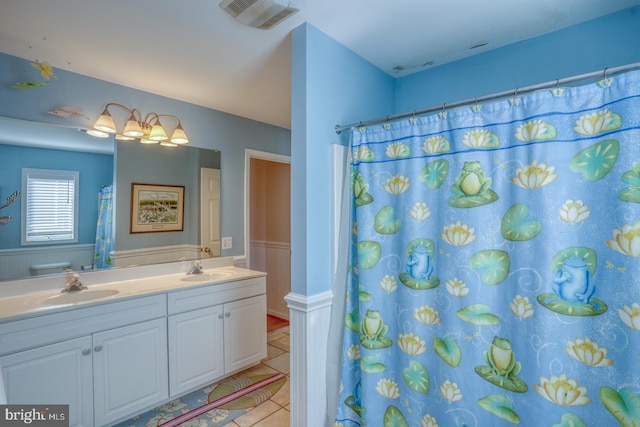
(36, 297)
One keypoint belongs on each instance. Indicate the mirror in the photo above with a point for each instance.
(102, 162)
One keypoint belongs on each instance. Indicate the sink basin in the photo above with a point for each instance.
(206, 277)
(79, 296)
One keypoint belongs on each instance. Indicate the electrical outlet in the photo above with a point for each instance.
(227, 242)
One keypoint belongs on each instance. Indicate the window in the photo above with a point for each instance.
(49, 206)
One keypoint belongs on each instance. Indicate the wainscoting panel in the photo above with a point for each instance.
(274, 258)
(15, 263)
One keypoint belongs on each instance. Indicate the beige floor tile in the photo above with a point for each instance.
(282, 397)
(257, 414)
(279, 419)
(282, 342)
(273, 352)
(279, 363)
(276, 336)
(231, 424)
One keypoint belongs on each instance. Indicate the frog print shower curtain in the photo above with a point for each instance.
(494, 275)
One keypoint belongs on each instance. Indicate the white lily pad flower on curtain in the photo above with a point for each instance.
(353, 353)
(534, 175)
(363, 154)
(630, 316)
(420, 212)
(563, 391)
(534, 130)
(436, 144)
(427, 315)
(626, 240)
(480, 138)
(397, 150)
(428, 421)
(388, 284)
(458, 234)
(397, 184)
(388, 388)
(450, 391)
(457, 288)
(588, 352)
(594, 123)
(411, 344)
(521, 307)
(573, 212)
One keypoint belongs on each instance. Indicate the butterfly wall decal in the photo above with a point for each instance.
(46, 71)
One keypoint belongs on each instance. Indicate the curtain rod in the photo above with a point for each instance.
(604, 73)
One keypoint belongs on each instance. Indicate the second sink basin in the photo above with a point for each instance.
(79, 296)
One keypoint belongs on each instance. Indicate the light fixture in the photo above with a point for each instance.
(149, 130)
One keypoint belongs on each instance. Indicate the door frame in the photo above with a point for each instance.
(260, 155)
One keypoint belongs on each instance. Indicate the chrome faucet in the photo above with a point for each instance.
(196, 269)
(73, 281)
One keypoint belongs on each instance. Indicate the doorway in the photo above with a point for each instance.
(268, 228)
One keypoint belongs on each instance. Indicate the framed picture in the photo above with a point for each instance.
(156, 208)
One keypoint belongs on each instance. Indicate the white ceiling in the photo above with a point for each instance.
(191, 50)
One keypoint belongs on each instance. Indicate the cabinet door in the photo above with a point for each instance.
(245, 332)
(130, 370)
(55, 374)
(196, 355)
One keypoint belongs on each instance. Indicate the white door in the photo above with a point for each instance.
(55, 374)
(245, 333)
(210, 212)
(196, 354)
(130, 369)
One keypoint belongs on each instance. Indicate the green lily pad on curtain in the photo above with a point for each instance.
(351, 320)
(478, 314)
(597, 160)
(461, 201)
(631, 194)
(448, 350)
(427, 243)
(570, 420)
(500, 406)
(419, 285)
(372, 365)
(368, 254)
(568, 308)
(511, 383)
(386, 222)
(350, 401)
(632, 177)
(393, 418)
(623, 404)
(434, 173)
(494, 265)
(416, 377)
(363, 295)
(516, 227)
(588, 254)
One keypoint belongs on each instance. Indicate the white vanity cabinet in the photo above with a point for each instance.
(103, 376)
(215, 331)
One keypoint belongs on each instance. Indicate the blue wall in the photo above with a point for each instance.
(330, 85)
(95, 171)
(205, 127)
(592, 46)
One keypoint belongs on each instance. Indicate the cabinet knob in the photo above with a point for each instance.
(86, 352)
(220, 316)
(227, 314)
(97, 348)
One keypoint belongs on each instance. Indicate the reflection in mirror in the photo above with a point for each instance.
(25, 144)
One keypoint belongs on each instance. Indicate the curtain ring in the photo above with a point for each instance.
(444, 106)
(605, 73)
(557, 83)
(515, 93)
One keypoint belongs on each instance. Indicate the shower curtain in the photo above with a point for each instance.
(494, 274)
(104, 229)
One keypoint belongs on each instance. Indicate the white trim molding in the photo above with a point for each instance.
(309, 318)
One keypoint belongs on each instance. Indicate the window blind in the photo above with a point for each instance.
(51, 200)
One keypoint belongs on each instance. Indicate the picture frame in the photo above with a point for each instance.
(156, 208)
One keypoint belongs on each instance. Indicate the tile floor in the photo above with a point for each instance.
(275, 411)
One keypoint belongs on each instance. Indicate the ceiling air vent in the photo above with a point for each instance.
(263, 14)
